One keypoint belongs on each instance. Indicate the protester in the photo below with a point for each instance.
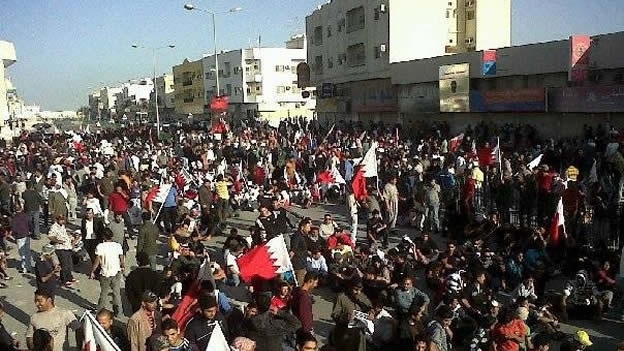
(52, 319)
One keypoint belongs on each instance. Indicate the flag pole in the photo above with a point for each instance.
(328, 133)
(500, 160)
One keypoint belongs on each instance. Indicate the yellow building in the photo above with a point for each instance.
(188, 80)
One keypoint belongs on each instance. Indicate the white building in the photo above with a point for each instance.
(134, 94)
(352, 43)
(260, 81)
(166, 92)
(107, 101)
(7, 58)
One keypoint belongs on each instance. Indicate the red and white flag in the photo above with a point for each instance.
(535, 162)
(157, 194)
(217, 340)
(331, 176)
(366, 168)
(456, 142)
(265, 261)
(95, 337)
(557, 226)
(183, 178)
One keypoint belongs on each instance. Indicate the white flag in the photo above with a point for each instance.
(593, 176)
(95, 338)
(335, 174)
(536, 161)
(369, 162)
(217, 340)
(222, 167)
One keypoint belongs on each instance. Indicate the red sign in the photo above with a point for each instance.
(219, 103)
(579, 58)
(489, 55)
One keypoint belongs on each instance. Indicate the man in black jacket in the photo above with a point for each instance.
(299, 249)
(141, 279)
(200, 328)
(270, 327)
(32, 207)
(91, 230)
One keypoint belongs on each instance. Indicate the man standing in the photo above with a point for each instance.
(20, 229)
(32, 207)
(205, 195)
(391, 194)
(147, 242)
(145, 322)
(118, 227)
(54, 320)
(64, 245)
(172, 339)
(169, 212)
(432, 200)
(299, 249)
(301, 302)
(109, 255)
(141, 279)
(91, 230)
(47, 270)
(222, 188)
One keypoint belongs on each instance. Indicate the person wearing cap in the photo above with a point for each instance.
(145, 322)
(200, 328)
(578, 342)
(47, 270)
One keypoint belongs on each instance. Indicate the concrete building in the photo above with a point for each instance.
(134, 96)
(530, 85)
(166, 92)
(353, 42)
(260, 82)
(188, 78)
(7, 58)
(108, 97)
(95, 105)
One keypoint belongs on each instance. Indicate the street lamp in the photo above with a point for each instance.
(191, 7)
(154, 49)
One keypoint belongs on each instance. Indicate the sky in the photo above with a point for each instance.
(66, 48)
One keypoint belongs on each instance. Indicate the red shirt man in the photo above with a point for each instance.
(118, 201)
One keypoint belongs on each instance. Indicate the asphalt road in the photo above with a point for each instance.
(18, 297)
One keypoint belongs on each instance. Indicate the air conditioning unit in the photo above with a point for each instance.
(383, 8)
(383, 48)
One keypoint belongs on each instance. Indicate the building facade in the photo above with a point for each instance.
(166, 92)
(188, 79)
(352, 44)
(7, 58)
(134, 97)
(107, 102)
(260, 82)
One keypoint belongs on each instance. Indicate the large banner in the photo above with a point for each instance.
(587, 99)
(519, 100)
(579, 58)
(455, 88)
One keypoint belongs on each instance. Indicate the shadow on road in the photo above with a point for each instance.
(14, 311)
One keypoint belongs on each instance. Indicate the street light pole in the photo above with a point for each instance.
(191, 7)
(154, 49)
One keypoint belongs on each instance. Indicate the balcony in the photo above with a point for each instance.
(253, 77)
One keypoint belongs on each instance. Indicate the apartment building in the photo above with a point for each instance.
(188, 81)
(260, 82)
(353, 42)
(107, 102)
(7, 58)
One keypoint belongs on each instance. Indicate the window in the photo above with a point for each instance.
(469, 3)
(228, 89)
(341, 25)
(318, 36)
(356, 55)
(342, 58)
(377, 52)
(470, 15)
(356, 19)
(329, 31)
(279, 68)
(281, 89)
(450, 41)
(330, 62)
(318, 64)
(376, 16)
(258, 88)
(450, 3)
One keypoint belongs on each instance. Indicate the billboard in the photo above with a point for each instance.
(455, 88)
(579, 58)
(488, 63)
(303, 75)
(519, 100)
(587, 99)
(374, 96)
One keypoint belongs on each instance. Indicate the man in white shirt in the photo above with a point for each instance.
(110, 257)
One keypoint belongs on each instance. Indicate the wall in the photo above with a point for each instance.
(7, 58)
(194, 91)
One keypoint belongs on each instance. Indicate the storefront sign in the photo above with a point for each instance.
(587, 99)
(520, 100)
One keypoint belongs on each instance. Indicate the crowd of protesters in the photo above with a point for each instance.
(470, 220)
